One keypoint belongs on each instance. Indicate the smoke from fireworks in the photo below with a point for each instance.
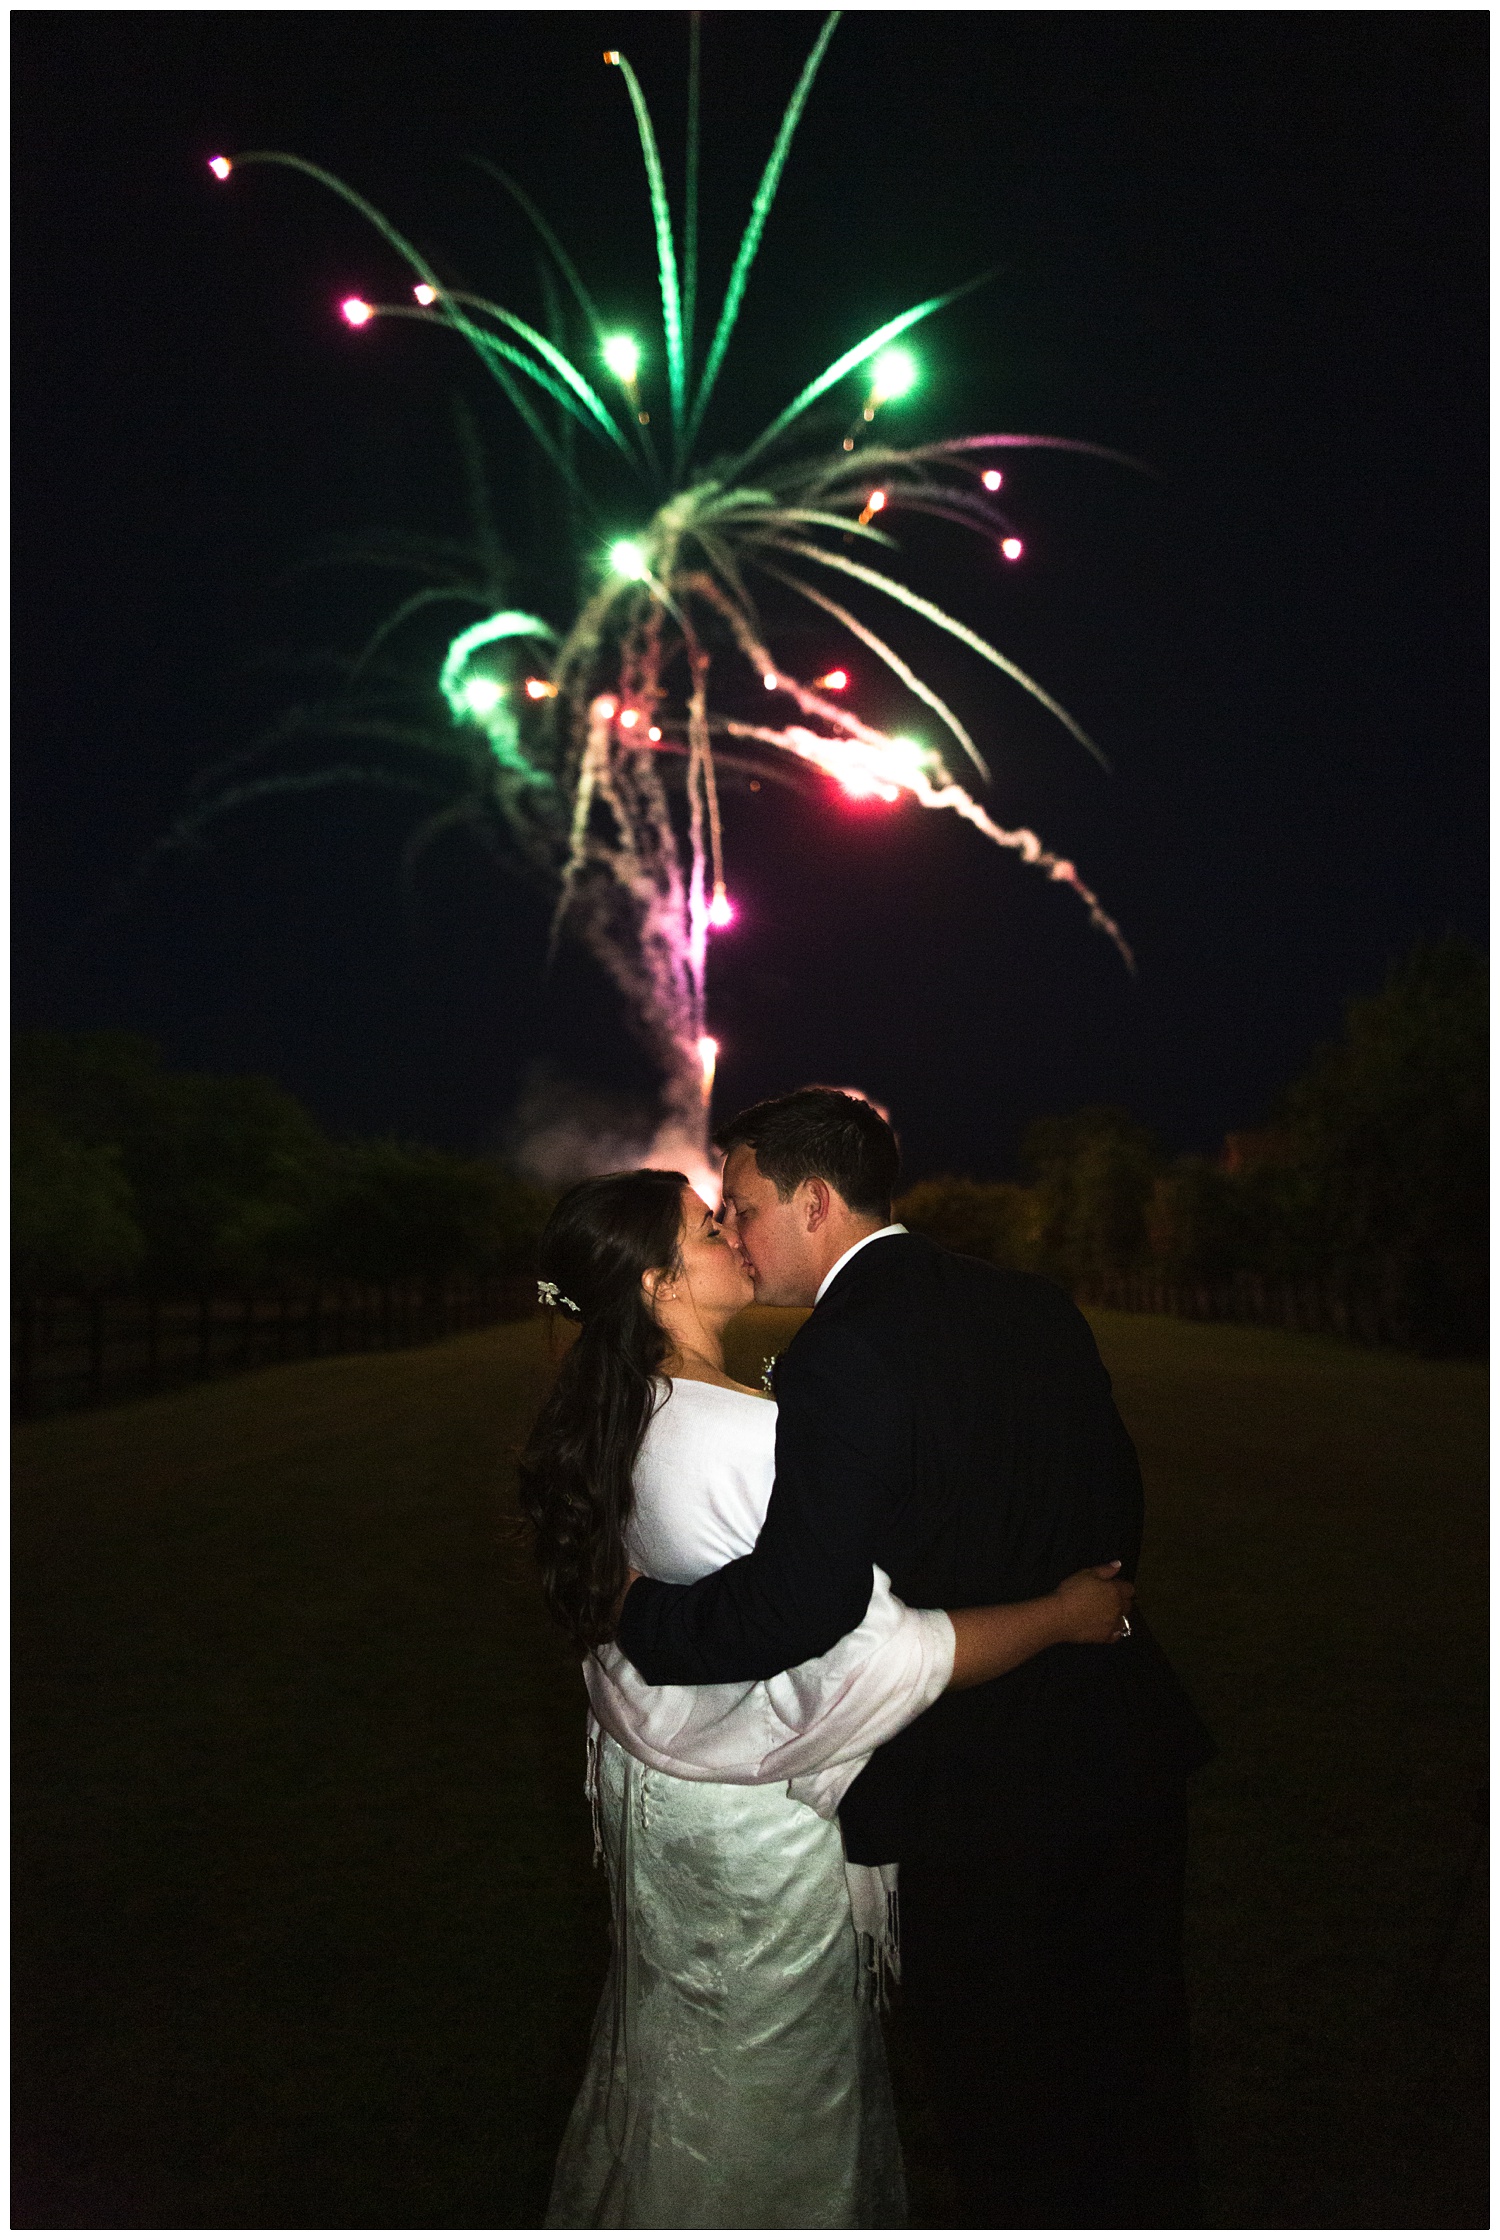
(583, 726)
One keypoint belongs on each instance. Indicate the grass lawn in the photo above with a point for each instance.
(306, 1932)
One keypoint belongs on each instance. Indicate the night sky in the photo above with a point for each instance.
(1246, 248)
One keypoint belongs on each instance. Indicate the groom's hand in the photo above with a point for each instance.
(630, 1580)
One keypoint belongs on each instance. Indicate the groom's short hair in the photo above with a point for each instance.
(822, 1133)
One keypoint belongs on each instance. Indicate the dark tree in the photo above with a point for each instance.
(1093, 1174)
(1384, 1181)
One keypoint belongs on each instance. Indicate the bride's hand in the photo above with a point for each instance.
(1089, 1607)
(1095, 1605)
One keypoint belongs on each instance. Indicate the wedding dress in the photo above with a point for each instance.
(736, 2075)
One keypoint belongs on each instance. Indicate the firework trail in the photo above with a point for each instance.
(581, 727)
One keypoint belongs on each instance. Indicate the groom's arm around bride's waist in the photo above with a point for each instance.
(807, 1581)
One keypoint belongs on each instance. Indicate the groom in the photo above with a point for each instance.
(952, 1422)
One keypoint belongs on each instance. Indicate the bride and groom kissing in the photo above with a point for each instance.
(868, 1644)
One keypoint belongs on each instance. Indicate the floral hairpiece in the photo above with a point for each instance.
(548, 1295)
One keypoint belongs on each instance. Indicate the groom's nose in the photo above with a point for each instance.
(731, 1230)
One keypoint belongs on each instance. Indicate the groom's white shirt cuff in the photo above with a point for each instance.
(891, 1229)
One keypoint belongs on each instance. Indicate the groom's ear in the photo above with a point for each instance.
(819, 1203)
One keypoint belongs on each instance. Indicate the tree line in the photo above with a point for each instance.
(126, 1175)
(1367, 1183)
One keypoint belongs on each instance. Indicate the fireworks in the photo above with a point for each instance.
(623, 358)
(584, 726)
(892, 375)
(627, 560)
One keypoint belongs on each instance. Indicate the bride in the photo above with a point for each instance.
(736, 2074)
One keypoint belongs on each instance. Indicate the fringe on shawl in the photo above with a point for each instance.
(874, 1902)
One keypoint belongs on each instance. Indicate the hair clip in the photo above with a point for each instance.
(548, 1295)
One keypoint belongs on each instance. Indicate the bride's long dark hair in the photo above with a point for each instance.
(576, 1467)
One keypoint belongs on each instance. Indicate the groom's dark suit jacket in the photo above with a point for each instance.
(953, 1423)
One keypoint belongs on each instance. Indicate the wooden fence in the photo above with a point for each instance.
(1310, 1305)
(88, 1352)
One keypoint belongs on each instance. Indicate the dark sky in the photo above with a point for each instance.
(1247, 248)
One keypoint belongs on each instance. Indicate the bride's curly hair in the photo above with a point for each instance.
(575, 1469)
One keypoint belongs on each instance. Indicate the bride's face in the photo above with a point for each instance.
(710, 1277)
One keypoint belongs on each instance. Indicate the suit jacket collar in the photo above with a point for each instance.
(891, 1229)
(870, 1253)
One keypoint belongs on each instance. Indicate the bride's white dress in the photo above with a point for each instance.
(736, 2075)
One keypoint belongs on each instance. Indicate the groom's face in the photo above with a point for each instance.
(772, 1234)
